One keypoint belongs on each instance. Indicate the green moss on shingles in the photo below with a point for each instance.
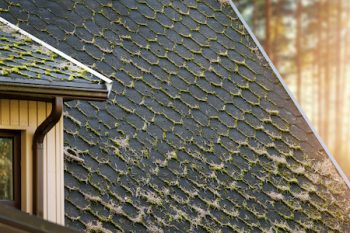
(21, 49)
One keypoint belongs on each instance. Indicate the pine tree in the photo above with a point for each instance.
(309, 40)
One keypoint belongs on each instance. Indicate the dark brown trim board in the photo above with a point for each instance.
(48, 92)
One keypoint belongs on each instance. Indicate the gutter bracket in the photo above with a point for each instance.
(109, 88)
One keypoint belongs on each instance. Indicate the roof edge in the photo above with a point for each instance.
(58, 52)
(274, 69)
(53, 83)
(45, 92)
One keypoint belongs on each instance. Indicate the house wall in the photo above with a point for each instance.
(26, 116)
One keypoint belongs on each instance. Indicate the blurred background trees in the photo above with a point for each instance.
(308, 41)
(6, 169)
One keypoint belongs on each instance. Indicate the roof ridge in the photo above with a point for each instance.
(60, 53)
(284, 85)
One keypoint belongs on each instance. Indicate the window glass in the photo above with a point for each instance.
(6, 168)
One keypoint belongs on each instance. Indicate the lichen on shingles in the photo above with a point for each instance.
(224, 2)
(71, 154)
(96, 226)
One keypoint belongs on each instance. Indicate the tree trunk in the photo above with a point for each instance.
(254, 16)
(267, 26)
(338, 122)
(345, 87)
(320, 67)
(298, 55)
(327, 80)
(276, 36)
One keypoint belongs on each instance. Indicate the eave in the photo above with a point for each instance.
(48, 92)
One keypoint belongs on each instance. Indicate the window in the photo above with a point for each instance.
(10, 172)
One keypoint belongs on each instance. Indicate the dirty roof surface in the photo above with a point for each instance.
(23, 61)
(198, 134)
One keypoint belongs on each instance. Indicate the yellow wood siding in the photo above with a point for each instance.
(26, 116)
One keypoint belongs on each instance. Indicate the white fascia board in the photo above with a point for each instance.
(261, 49)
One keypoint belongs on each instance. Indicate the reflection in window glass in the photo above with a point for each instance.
(6, 172)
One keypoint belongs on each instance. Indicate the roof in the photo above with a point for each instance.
(199, 133)
(31, 68)
(15, 221)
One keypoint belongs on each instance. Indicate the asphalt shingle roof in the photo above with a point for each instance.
(24, 61)
(198, 134)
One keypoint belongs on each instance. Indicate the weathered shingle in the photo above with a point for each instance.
(25, 61)
(198, 134)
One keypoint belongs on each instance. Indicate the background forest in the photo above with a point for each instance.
(309, 43)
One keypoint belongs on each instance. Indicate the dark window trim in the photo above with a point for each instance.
(16, 166)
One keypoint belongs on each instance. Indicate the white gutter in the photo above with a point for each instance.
(261, 49)
(60, 53)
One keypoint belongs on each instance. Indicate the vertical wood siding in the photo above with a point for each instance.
(26, 116)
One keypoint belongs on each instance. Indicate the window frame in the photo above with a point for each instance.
(16, 166)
